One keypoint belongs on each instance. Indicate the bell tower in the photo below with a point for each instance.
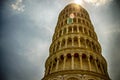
(75, 53)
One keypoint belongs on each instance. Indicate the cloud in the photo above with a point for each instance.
(97, 2)
(112, 31)
(18, 6)
(91, 2)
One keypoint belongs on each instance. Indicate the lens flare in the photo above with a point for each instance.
(97, 2)
(78, 1)
(93, 2)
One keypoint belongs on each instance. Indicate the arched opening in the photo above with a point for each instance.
(80, 29)
(85, 30)
(87, 24)
(69, 29)
(83, 56)
(54, 66)
(68, 61)
(55, 59)
(76, 61)
(81, 15)
(78, 14)
(87, 43)
(98, 65)
(83, 21)
(104, 69)
(61, 23)
(99, 68)
(82, 41)
(79, 21)
(96, 48)
(69, 41)
(60, 33)
(74, 20)
(68, 56)
(58, 45)
(64, 31)
(61, 62)
(62, 57)
(49, 68)
(93, 47)
(63, 43)
(75, 41)
(92, 63)
(75, 28)
(85, 62)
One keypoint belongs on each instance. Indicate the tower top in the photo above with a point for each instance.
(73, 8)
(74, 5)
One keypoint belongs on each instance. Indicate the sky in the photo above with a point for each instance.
(27, 27)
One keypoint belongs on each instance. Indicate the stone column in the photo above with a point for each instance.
(64, 62)
(96, 65)
(57, 64)
(51, 67)
(85, 44)
(60, 45)
(77, 29)
(72, 61)
(72, 29)
(80, 61)
(55, 48)
(83, 30)
(65, 42)
(101, 68)
(61, 33)
(79, 42)
(89, 63)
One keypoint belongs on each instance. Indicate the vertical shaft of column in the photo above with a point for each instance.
(77, 29)
(57, 64)
(51, 67)
(80, 61)
(62, 33)
(64, 62)
(72, 29)
(85, 44)
(96, 65)
(83, 31)
(55, 48)
(65, 43)
(79, 41)
(101, 68)
(60, 46)
(72, 61)
(89, 64)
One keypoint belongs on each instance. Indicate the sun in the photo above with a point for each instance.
(78, 1)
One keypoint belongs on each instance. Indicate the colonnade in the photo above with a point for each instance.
(76, 61)
(75, 41)
(75, 29)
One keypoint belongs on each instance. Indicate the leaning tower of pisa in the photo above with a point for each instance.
(75, 53)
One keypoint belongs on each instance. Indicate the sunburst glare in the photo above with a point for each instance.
(78, 1)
